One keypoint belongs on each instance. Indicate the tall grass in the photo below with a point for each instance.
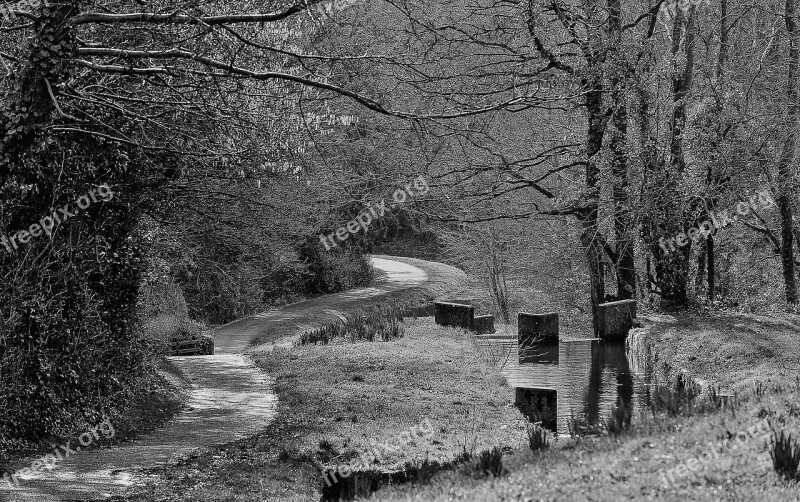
(490, 462)
(384, 325)
(538, 438)
(785, 453)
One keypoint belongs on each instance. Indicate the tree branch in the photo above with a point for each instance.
(175, 18)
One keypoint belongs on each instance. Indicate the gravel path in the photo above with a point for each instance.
(230, 399)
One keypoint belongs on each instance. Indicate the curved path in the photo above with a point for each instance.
(230, 400)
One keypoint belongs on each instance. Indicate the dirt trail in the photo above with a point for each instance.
(230, 400)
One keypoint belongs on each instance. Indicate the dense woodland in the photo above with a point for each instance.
(563, 141)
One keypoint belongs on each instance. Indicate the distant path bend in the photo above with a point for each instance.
(230, 399)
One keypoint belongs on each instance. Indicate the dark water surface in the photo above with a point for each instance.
(569, 381)
(584, 379)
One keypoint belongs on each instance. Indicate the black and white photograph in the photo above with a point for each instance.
(399, 250)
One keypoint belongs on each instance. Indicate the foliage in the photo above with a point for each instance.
(538, 438)
(785, 453)
(69, 331)
(490, 462)
(385, 325)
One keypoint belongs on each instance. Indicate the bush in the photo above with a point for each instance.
(221, 285)
(165, 329)
(382, 326)
(161, 295)
(423, 471)
(335, 270)
(491, 462)
(785, 455)
(70, 348)
(538, 438)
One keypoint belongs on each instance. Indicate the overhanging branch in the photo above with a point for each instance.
(175, 18)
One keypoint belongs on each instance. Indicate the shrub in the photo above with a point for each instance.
(164, 329)
(538, 438)
(491, 462)
(382, 325)
(422, 472)
(785, 455)
(161, 296)
(677, 400)
(70, 348)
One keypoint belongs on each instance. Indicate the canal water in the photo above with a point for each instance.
(576, 382)
(571, 383)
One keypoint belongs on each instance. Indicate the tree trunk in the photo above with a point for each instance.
(626, 272)
(785, 171)
(702, 255)
(591, 231)
(672, 268)
(712, 281)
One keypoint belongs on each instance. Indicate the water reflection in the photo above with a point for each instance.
(540, 353)
(585, 379)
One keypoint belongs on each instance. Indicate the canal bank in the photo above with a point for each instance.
(699, 449)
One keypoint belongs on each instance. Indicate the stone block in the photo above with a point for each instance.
(536, 327)
(616, 319)
(453, 314)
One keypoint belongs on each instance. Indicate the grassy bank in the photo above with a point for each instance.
(337, 401)
(702, 453)
(731, 351)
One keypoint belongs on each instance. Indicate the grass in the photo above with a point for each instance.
(337, 401)
(648, 459)
(538, 438)
(490, 462)
(432, 373)
(785, 455)
(633, 465)
(340, 398)
(384, 324)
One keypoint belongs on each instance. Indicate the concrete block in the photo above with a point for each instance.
(453, 314)
(536, 327)
(616, 319)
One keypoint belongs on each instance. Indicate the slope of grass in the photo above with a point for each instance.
(695, 457)
(337, 401)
